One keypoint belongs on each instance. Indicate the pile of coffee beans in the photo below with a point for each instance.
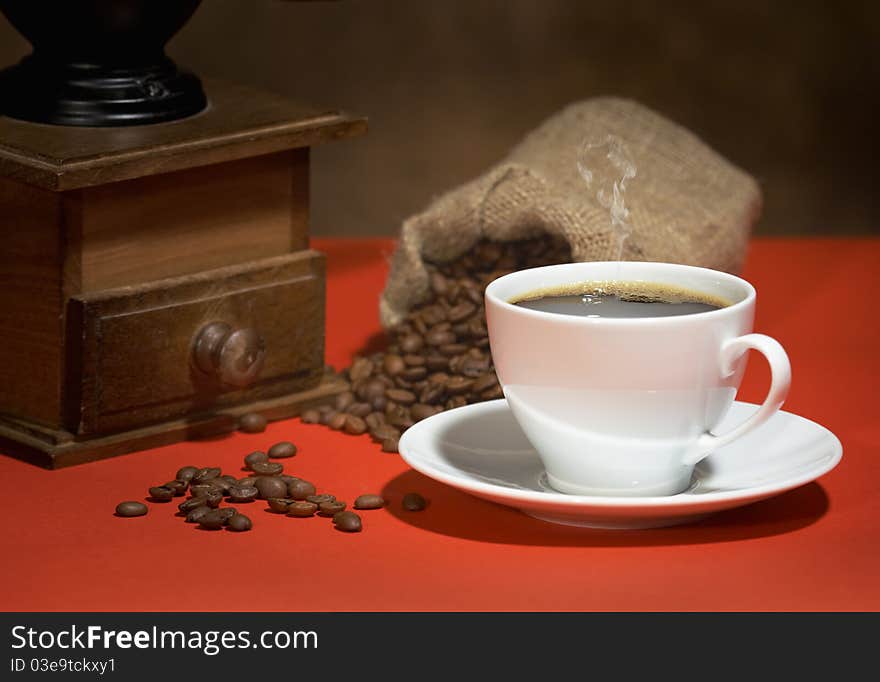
(284, 493)
(438, 357)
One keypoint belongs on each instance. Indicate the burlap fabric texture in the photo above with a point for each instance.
(686, 203)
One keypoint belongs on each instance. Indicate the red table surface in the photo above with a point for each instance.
(813, 548)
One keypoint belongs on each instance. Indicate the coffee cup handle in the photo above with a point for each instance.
(780, 380)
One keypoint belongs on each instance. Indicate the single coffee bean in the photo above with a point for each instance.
(271, 486)
(437, 363)
(455, 401)
(213, 520)
(320, 499)
(343, 400)
(421, 411)
(484, 382)
(302, 509)
(300, 490)
(221, 483)
(130, 509)
(414, 502)
(461, 312)
(310, 417)
(414, 373)
(374, 419)
(213, 498)
(227, 512)
(328, 415)
(331, 508)
(493, 393)
(287, 478)
(256, 457)
(206, 474)
(248, 481)
(195, 515)
(432, 394)
(282, 450)
(411, 343)
(393, 364)
(390, 445)
(439, 337)
(338, 421)
(267, 468)
(239, 523)
(369, 501)
(355, 425)
(347, 521)
(243, 493)
(439, 284)
(252, 423)
(383, 432)
(186, 473)
(400, 396)
(179, 487)
(161, 494)
(202, 489)
(459, 385)
(188, 505)
(414, 360)
(374, 388)
(279, 505)
(361, 368)
(360, 410)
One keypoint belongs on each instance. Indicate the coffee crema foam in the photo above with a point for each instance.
(631, 291)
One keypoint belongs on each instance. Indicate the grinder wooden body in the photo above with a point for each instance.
(156, 281)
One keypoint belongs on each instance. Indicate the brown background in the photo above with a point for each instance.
(785, 90)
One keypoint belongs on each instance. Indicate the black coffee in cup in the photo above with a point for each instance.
(620, 300)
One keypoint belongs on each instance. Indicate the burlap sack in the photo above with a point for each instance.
(684, 203)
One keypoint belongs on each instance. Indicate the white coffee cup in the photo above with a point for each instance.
(627, 406)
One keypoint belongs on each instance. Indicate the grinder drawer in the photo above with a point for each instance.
(186, 345)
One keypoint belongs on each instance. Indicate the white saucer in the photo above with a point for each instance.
(481, 449)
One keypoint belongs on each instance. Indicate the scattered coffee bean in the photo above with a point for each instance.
(213, 520)
(331, 507)
(178, 487)
(206, 474)
(267, 468)
(337, 421)
(242, 493)
(369, 502)
(302, 509)
(161, 494)
(271, 486)
(300, 490)
(279, 505)
(195, 515)
(213, 499)
(347, 521)
(400, 396)
(343, 400)
(227, 512)
(239, 523)
(256, 457)
(355, 425)
(188, 505)
(203, 489)
(361, 368)
(252, 423)
(282, 450)
(310, 416)
(186, 473)
(390, 445)
(130, 509)
(414, 502)
(320, 499)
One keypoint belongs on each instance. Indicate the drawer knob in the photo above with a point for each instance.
(234, 356)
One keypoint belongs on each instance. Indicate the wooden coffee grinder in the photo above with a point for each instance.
(155, 277)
